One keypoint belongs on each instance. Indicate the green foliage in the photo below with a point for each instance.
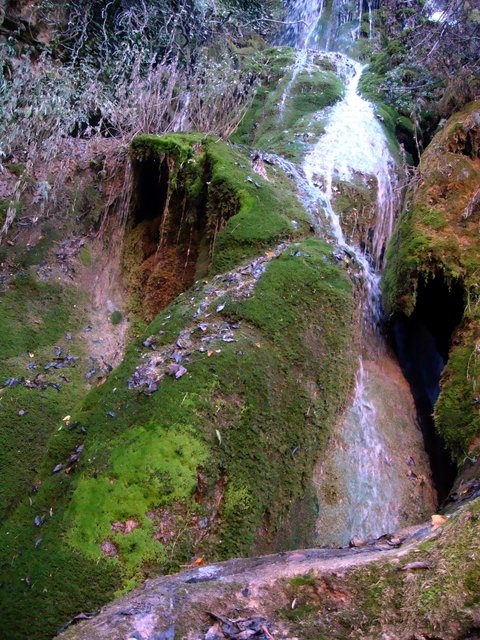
(264, 124)
(34, 317)
(147, 456)
(116, 317)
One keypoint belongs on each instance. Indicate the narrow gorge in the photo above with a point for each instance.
(239, 320)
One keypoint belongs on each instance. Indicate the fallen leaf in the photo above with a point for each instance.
(198, 562)
(438, 520)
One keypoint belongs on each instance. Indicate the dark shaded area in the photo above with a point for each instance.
(466, 142)
(422, 343)
(170, 249)
(405, 138)
(150, 187)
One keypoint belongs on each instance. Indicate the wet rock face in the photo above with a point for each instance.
(386, 464)
(433, 263)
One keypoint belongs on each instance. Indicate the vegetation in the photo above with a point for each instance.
(219, 213)
(135, 116)
(34, 318)
(422, 69)
(211, 453)
(147, 68)
(378, 599)
(436, 237)
(278, 120)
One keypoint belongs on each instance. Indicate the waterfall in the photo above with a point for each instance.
(354, 150)
(318, 24)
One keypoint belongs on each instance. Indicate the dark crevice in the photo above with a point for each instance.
(150, 188)
(407, 140)
(465, 142)
(169, 226)
(422, 343)
(174, 224)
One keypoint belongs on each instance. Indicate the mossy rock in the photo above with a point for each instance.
(34, 317)
(209, 211)
(214, 447)
(437, 237)
(378, 599)
(287, 103)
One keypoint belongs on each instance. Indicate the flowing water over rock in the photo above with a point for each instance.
(326, 25)
(375, 475)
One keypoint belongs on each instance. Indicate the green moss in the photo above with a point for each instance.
(86, 256)
(116, 317)
(177, 146)
(302, 581)
(299, 613)
(242, 212)
(150, 467)
(34, 317)
(33, 314)
(148, 455)
(259, 216)
(309, 92)
(437, 237)
(456, 414)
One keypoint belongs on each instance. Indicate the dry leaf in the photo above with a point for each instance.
(438, 520)
(198, 562)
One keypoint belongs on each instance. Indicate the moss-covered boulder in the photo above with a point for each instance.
(436, 245)
(281, 119)
(199, 207)
(201, 443)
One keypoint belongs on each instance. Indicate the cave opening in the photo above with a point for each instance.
(169, 229)
(422, 343)
(151, 179)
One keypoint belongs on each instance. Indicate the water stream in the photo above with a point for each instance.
(354, 150)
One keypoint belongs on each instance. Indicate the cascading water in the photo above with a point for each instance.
(353, 150)
(321, 24)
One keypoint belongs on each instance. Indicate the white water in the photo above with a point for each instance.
(317, 24)
(354, 145)
(353, 149)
